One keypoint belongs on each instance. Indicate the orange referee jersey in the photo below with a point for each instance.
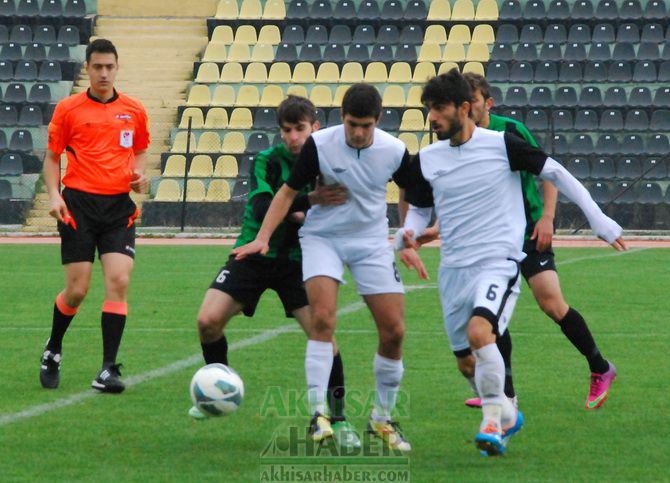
(100, 140)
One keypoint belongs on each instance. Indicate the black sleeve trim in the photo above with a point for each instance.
(522, 156)
(463, 353)
(418, 191)
(259, 205)
(306, 169)
(489, 316)
(300, 203)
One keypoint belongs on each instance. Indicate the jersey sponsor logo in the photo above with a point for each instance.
(126, 138)
(124, 116)
(339, 170)
(440, 172)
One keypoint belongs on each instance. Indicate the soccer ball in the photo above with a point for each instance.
(217, 390)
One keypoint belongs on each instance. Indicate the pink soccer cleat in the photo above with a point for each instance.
(473, 402)
(600, 384)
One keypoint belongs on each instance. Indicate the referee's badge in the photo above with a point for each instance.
(126, 139)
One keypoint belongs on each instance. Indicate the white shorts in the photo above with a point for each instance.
(489, 290)
(370, 260)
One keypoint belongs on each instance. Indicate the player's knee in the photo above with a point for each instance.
(392, 334)
(209, 328)
(481, 334)
(323, 320)
(119, 282)
(74, 296)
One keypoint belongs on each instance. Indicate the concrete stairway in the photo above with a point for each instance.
(158, 41)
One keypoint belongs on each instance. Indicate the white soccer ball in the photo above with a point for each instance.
(217, 390)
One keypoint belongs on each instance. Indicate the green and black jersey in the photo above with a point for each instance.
(269, 171)
(532, 200)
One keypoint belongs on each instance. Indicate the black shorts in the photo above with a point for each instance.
(246, 280)
(536, 262)
(105, 222)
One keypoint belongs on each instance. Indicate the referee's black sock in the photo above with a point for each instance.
(217, 351)
(63, 315)
(336, 389)
(504, 343)
(113, 321)
(575, 329)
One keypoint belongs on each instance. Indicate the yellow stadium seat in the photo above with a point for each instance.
(483, 33)
(227, 9)
(168, 190)
(400, 73)
(198, 95)
(180, 143)
(394, 96)
(463, 10)
(410, 141)
(352, 72)
(240, 118)
(487, 10)
(218, 191)
(376, 72)
(460, 34)
(269, 34)
(435, 34)
(453, 52)
(217, 118)
(475, 67)
(321, 96)
(209, 142)
(215, 53)
(274, 10)
(263, 53)
(245, 34)
(425, 140)
(304, 73)
(300, 91)
(251, 9)
(222, 34)
(226, 166)
(195, 190)
(208, 72)
(193, 113)
(248, 96)
(233, 142)
(201, 166)
(430, 53)
(339, 94)
(414, 96)
(412, 120)
(328, 73)
(422, 72)
(478, 52)
(257, 73)
(224, 95)
(439, 10)
(280, 73)
(239, 53)
(231, 73)
(446, 67)
(272, 96)
(175, 166)
(392, 192)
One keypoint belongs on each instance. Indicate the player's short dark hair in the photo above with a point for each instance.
(447, 88)
(296, 109)
(101, 46)
(478, 83)
(362, 100)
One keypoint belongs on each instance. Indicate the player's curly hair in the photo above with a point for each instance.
(447, 88)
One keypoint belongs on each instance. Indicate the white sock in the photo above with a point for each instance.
(318, 364)
(490, 380)
(388, 374)
(508, 416)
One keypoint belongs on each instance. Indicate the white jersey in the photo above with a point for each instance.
(364, 172)
(476, 191)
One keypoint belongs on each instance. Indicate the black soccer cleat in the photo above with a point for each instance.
(50, 369)
(108, 380)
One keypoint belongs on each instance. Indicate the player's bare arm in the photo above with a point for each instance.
(279, 207)
(544, 228)
(57, 207)
(411, 259)
(139, 182)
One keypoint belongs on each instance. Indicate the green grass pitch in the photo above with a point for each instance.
(145, 435)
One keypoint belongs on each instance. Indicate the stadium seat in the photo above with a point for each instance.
(280, 73)
(195, 190)
(331, 53)
(477, 52)
(463, 10)
(570, 72)
(603, 32)
(233, 142)
(579, 168)
(231, 73)
(265, 119)
(321, 96)
(546, 71)
(439, 10)
(412, 120)
(432, 53)
(25, 71)
(648, 51)
(224, 95)
(368, 10)
(394, 96)
(358, 53)
(392, 10)
(11, 51)
(638, 120)
(175, 166)
(201, 166)
(632, 144)
(15, 93)
(628, 168)
(664, 71)
(8, 115)
(215, 52)
(483, 33)
(498, 72)
(521, 72)
(650, 193)
(182, 143)
(603, 168)
(345, 10)
(435, 34)
(416, 10)
(304, 73)
(645, 72)
(540, 96)
(390, 120)
(293, 34)
(21, 140)
(411, 141)
(321, 10)
(209, 142)
(453, 52)
(240, 118)
(376, 72)
(400, 73)
(611, 120)
(512, 113)
(250, 10)
(487, 10)
(655, 168)
(168, 190)
(562, 120)
(286, 53)
(194, 114)
(507, 33)
(238, 53)
(352, 72)
(537, 120)
(216, 118)
(257, 142)
(652, 32)
(339, 34)
(474, 67)
(11, 164)
(274, 10)
(586, 120)
(531, 33)
(208, 72)
(6, 70)
(240, 190)
(575, 51)
(245, 34)
(7, 8)
(655, 10)
(297, 9)
(272, 96)
(226, 166)
(595, 71)
(222, 34)
(641, 96)
(218, 191)
(328, 73)
(382, 53)
(608, 144)
(658, 144)
(364, 34)
(516, 96)
(256, 73)
(579, 33)
(21, 34)
(527, 52)
(624, 193)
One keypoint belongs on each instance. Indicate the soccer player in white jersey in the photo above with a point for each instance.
(471, 177)
(361, 158)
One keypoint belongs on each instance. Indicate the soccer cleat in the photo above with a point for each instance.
(389, 431)
(320, 428)
(490, 440)
(512, 430)
(108, 380)
(345, 435)
(473, 402)
(600, 384)
(196, 414)
(50, 369)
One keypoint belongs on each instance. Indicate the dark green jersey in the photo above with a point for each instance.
(532, 200)
(269, 171)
